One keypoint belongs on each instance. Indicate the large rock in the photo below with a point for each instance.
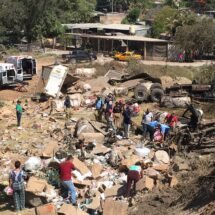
(145, 183)
(92, 137)
(162, 157)
(80, 166)
(96, 170)
(130, 161)
(50, 149)
(68, 209)
(48, 209)
(83, 126)
(112, 207)
(36, 185)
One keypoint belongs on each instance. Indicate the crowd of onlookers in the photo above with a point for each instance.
(119, 114)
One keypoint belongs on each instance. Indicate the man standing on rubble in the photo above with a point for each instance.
(127, 121)
(99, 108)
(19, 111)
(51, 105)
(147, 118)
(66, 178)
(67, 105)
(16, 182)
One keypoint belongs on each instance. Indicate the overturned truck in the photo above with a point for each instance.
(146, 87)
(201, 92)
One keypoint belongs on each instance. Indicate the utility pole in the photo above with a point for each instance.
(112, 6)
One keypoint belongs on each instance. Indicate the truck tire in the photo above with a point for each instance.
(155, 86)
(157, 94)
(140, 93)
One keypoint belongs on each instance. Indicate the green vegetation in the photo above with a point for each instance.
(162, 20)
(206, 74)
(196, 39)
(34, 19)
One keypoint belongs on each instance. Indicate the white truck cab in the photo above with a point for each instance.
(25, 64)
(9, 75)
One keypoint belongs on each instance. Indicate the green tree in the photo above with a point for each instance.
(196, 39)
(132, 16)
(35, 19)
(161, 20)
(180, 18)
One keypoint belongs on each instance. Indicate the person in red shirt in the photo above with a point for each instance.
(171, 120)
(65, 170)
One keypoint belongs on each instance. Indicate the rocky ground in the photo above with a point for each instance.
(181, 185)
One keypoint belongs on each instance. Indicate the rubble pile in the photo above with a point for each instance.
(100, 178)
(101, 158)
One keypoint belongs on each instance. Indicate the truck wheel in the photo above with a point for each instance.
(157, 94)
(155, 86)
(140, 93)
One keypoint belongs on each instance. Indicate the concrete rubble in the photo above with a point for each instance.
(100, 178)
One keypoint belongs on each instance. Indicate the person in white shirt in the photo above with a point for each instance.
(147, 118)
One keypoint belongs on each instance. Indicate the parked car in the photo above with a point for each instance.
(126, 56)
(79, 55)
(24, 64)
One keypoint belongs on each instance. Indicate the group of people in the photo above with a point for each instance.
(17, 179)
(159, 125)
(117, 114)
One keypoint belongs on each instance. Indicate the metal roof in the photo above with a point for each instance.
(120, 37)
(122, 27)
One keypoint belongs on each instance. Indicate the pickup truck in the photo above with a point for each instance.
(79, 55)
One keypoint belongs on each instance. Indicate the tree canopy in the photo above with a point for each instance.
(34, 19)
(196, 39)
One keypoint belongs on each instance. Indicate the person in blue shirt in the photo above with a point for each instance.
(151, 129)
(165, 130)
(99, 108)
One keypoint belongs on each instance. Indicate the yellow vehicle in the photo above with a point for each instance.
(126, 56)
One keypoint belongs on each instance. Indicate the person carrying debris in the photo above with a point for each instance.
(99, 108)
(134, 175)
(19, 111)
(68, 106)
(65, 169)
(16, 182)
(147, 118)
(127, 121)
